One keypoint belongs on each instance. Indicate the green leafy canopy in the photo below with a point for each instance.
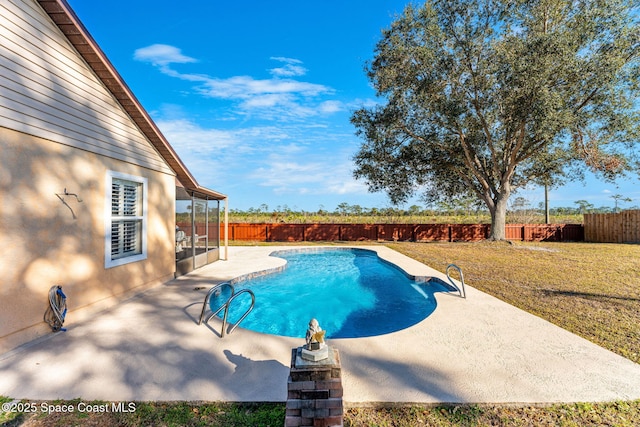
(485, 96)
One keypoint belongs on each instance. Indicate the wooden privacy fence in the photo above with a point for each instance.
(398, 232)
(621, 227)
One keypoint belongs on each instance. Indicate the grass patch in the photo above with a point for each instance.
(590, 289)
(580, 414)
(161, 414)
(186, 414)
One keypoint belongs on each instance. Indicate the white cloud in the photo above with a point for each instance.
(331, 106)
(189, 136)
(161, 55)
(292, 67)
(286, 60)
(256, 164)
(243, 87)
(223, 158)
(311, 175)
(280, 98)
(266, 101)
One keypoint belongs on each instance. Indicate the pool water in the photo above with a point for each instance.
(351, 292)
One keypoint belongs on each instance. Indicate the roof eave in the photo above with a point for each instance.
(68, 22)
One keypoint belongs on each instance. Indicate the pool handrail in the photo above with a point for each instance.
(462, 292)
(207, 298)
(225, 306)
(246, 313)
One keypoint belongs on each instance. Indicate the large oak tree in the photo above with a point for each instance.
(485, 96)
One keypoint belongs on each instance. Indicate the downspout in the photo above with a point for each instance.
(193, 231)
(226, 229)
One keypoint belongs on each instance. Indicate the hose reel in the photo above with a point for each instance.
(57, 310)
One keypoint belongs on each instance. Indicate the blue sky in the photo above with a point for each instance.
(256, 96)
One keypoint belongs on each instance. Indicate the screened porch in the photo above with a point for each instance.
(198, 238)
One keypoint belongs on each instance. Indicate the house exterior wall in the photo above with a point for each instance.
(44, 242)
(60, 128)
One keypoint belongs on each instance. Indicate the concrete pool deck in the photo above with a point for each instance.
(474, 350)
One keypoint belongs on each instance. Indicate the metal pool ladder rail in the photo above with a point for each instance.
(462, 292)
(225, 306)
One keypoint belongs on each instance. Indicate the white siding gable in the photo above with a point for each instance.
(47, 90)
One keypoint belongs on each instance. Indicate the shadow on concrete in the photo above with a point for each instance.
(400, 381)
(255, 378)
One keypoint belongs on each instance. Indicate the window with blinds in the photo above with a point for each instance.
(126, 237)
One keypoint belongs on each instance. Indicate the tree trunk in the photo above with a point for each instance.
(499, 218)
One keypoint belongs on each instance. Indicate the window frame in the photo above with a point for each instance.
(109, 261)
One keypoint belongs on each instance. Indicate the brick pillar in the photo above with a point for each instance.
(314, 391)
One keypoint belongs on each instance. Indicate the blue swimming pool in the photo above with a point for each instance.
(352, 293)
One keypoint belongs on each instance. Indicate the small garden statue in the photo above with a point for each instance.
(315, 349)
(315, 335)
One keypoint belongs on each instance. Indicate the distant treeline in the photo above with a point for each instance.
(347, 213)
(455, 212)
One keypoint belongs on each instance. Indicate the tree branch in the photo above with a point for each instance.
(586, 100)
(474, 165)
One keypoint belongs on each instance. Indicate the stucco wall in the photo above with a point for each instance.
(44, 242)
